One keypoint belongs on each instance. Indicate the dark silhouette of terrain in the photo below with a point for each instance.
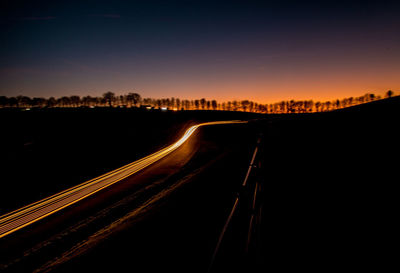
(46, 150)
(329, 196)
(328, 191)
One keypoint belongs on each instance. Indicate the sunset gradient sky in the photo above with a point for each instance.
(264, 51)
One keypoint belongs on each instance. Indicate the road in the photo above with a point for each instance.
(32, 213)
(173, 208)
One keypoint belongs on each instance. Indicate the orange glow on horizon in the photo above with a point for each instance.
(318, 88)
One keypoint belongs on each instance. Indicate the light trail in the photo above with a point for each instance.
(29, 214)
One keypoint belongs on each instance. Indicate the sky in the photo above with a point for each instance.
(265, 51)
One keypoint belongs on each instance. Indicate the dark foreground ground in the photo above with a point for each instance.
(44, 151)
(165, 218)
(327, 202)
(329, 194)
(330, 184)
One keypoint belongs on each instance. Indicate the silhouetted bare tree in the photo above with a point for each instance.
(245, 104)
(51, 102)
(109, 98)
(214, 104)
(133, 98)
(75, 101)
(203, 103)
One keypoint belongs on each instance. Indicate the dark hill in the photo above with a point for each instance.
(330, 188)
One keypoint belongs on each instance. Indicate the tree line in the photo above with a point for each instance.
(109, 99)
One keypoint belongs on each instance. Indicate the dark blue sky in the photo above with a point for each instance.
(260, 50)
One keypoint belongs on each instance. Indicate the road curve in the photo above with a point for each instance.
(29, 214)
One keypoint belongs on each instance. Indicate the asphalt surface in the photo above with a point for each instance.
(166, 217)
(34, 212)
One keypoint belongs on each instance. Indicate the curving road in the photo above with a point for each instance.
(29, 214)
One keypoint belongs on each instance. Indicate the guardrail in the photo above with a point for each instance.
(235, 206)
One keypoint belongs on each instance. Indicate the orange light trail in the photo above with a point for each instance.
(32, 213)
